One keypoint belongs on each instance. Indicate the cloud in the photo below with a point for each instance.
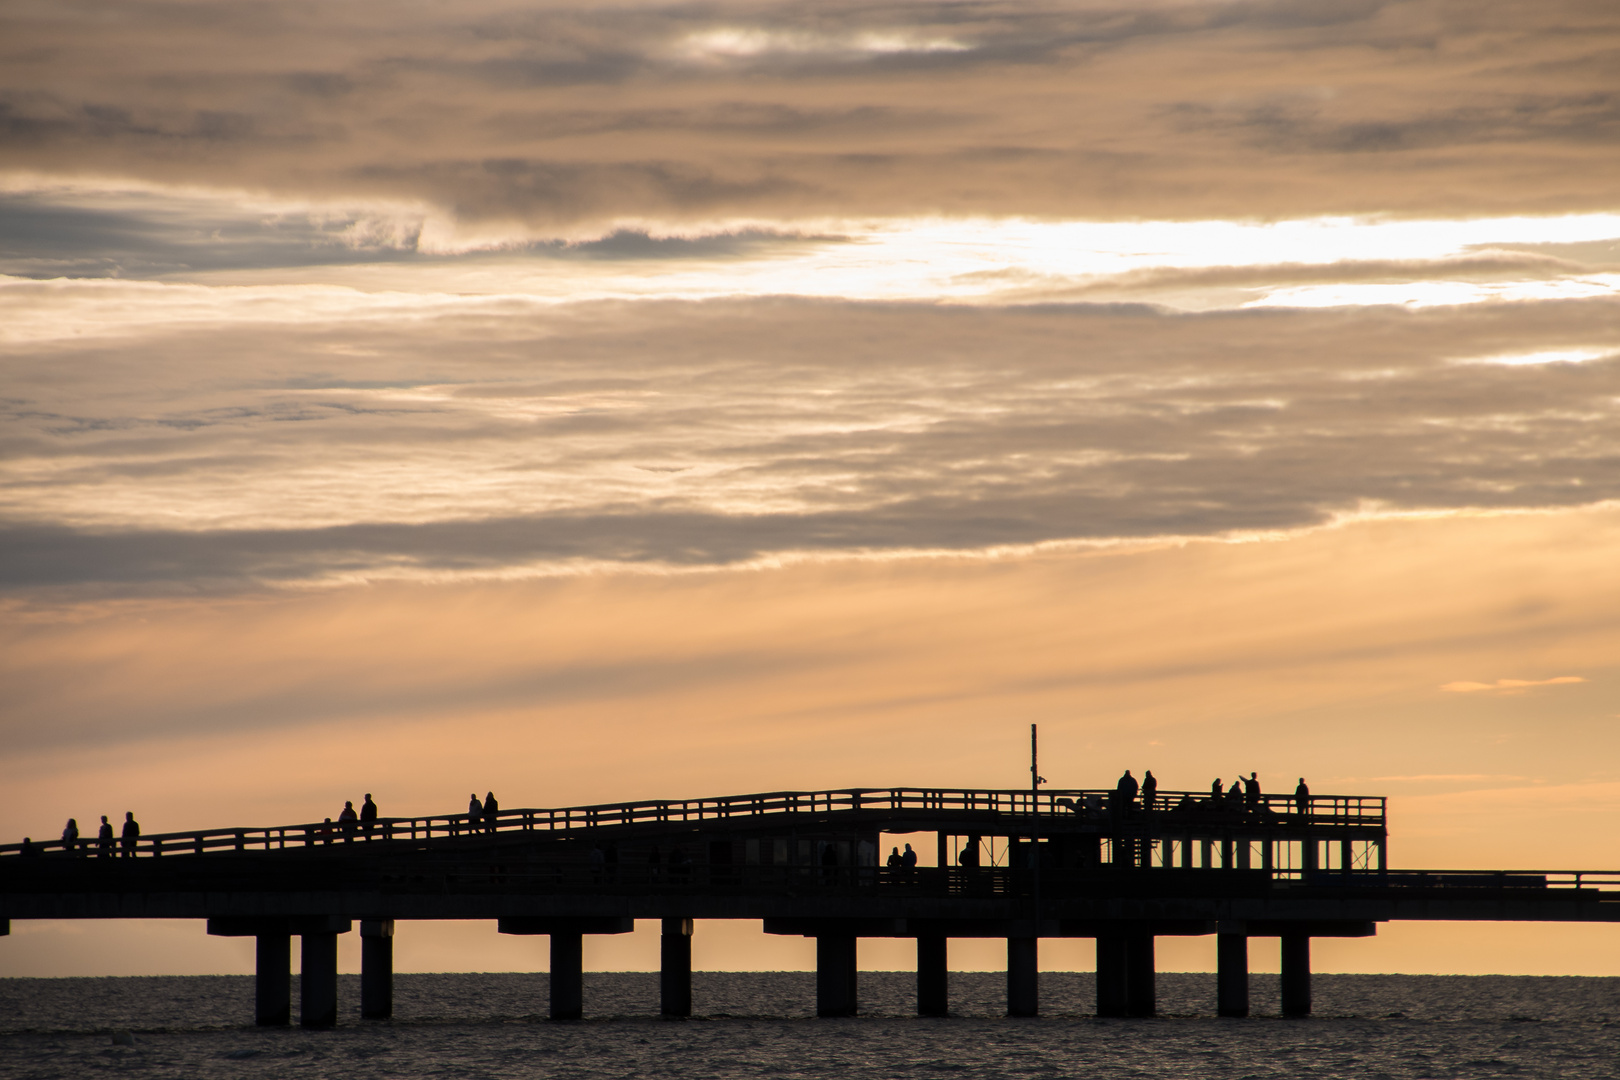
(1507, 686)
(349, 435)
(1103, 109)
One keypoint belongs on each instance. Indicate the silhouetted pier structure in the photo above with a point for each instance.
(1067, 864)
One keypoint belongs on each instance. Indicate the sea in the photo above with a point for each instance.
(758, 1024)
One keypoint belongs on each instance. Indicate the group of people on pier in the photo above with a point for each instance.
(1243, 796)
(106, 842)
(482, 816)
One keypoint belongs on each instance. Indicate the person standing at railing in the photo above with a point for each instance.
(132, 834)
(908, 859)
(1216, 788)
(1251, 792)
(492, 811)
(475, 814)
(1302, 799)
(348, 819)
(1150, 788)
(104, 839)
(1126, 790)
(70, 836)
(895, 863)
(368, 816)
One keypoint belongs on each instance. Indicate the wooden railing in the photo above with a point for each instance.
(1171, 808)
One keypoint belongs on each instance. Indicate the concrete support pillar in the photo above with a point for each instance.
(1023, 976)
(933, 978)
(1187, 853)
(1208, 853)
(1308, 852)
(376, 969)
(1112, 976)
(1141, 997)
(567, 975)
(1243, 852)
(1226, 853)
(1296, 975)
(675, 968)
(1232, 975)
(1346, 857)
(835, 975)
(272, 980)
(1267, 860)
(317, 980)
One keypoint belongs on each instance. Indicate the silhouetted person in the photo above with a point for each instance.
(29, 849)
(492, 811)
(1234, 795)
(895, 863)
(909, 859)
(1215, 791)
(325, 832)
(969, 856)
(70, 836)
(829, 862)
(1302, 798)
(104, 839)
(1251, 791)
(348, 819)
(368, 816)
(132, 834)
(475, 814)
(1126, 789)
(1150, 788)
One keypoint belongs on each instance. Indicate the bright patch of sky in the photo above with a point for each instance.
(1325, 262)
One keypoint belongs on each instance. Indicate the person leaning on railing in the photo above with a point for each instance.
(132, 834)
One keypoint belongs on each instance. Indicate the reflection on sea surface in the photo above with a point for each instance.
(753, 1024)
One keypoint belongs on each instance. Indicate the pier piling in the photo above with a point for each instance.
(1296, 975)
(1112, 975)
(1141, 998)
(933, 979)
(376, 969)
(1232, 973)
(675, 968)
(835, 975)
(272, 979)
(567, 975)
(317, 980)
(1023, 976)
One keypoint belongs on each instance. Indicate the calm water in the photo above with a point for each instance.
(760, 1025)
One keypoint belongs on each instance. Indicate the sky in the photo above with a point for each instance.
(633, 400)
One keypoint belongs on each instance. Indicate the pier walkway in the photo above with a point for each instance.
(1011, 864)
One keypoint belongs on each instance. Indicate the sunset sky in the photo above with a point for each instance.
(627, 400)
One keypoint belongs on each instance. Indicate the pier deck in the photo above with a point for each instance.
(1049, 864)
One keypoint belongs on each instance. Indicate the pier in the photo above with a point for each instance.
(1017, 865)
